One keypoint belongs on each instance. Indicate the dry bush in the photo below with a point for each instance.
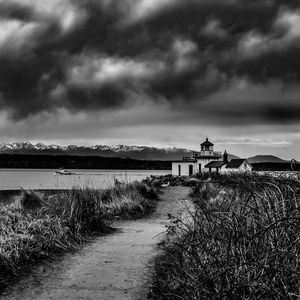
(27, 236)
(244, 245)
(79, 210)
(204, 192)
(129, 200)
(30, 200)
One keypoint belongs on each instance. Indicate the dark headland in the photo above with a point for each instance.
(33, 161)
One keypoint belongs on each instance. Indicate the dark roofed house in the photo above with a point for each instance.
(238, 165)
(217, 165)
(235, 165)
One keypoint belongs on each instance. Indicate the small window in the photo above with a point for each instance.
(179, 170)
(191, 170)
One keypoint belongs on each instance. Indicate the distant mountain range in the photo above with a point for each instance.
(137, 152)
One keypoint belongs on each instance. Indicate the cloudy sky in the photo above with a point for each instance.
(152, 72)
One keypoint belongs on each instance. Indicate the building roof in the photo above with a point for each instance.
(207, 143)
(235, 163)
(215, 164)
(185, 161)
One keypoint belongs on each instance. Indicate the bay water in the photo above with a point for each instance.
(14, 179)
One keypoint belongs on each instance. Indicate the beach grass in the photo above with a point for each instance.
(243, 242)
(34, 226)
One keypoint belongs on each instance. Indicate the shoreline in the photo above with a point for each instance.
(46, 179)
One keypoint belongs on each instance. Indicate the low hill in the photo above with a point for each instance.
(265, 158)
(232, 156)
(275, 166)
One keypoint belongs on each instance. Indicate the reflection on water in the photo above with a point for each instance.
(11, 179)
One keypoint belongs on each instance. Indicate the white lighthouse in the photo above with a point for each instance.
(207, 154)
(190, 165)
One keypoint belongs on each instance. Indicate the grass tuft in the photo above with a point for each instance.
(131, 200)
(30, 200)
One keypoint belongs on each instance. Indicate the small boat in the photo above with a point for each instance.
(62, 171)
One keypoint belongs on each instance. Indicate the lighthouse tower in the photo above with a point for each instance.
(207, 146)
(207, 154)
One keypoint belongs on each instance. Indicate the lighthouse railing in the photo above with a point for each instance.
(208, 154)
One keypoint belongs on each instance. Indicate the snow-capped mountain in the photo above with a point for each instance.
(140, 152)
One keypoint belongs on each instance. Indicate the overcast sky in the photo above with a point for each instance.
(152, 72)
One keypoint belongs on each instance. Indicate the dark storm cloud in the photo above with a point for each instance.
(96, 55)
(284, 114)
(95, 98)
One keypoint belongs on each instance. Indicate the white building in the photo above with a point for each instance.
(191, 165)
(208, 160)
(185, 167)
(235, 165)
(238, 165)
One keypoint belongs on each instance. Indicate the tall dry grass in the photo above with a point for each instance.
(129, 200)
(243, 243)
(34, 227)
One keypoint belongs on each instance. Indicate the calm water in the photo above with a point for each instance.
(11, 179)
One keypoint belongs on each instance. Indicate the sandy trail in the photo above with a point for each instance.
(114, 266)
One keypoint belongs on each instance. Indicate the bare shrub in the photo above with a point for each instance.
(129, 200)
(30, 199)
(204, 192)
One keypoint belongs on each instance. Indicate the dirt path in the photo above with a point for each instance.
(115, 266)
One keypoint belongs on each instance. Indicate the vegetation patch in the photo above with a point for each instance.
(243, 242)
(34, 226)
